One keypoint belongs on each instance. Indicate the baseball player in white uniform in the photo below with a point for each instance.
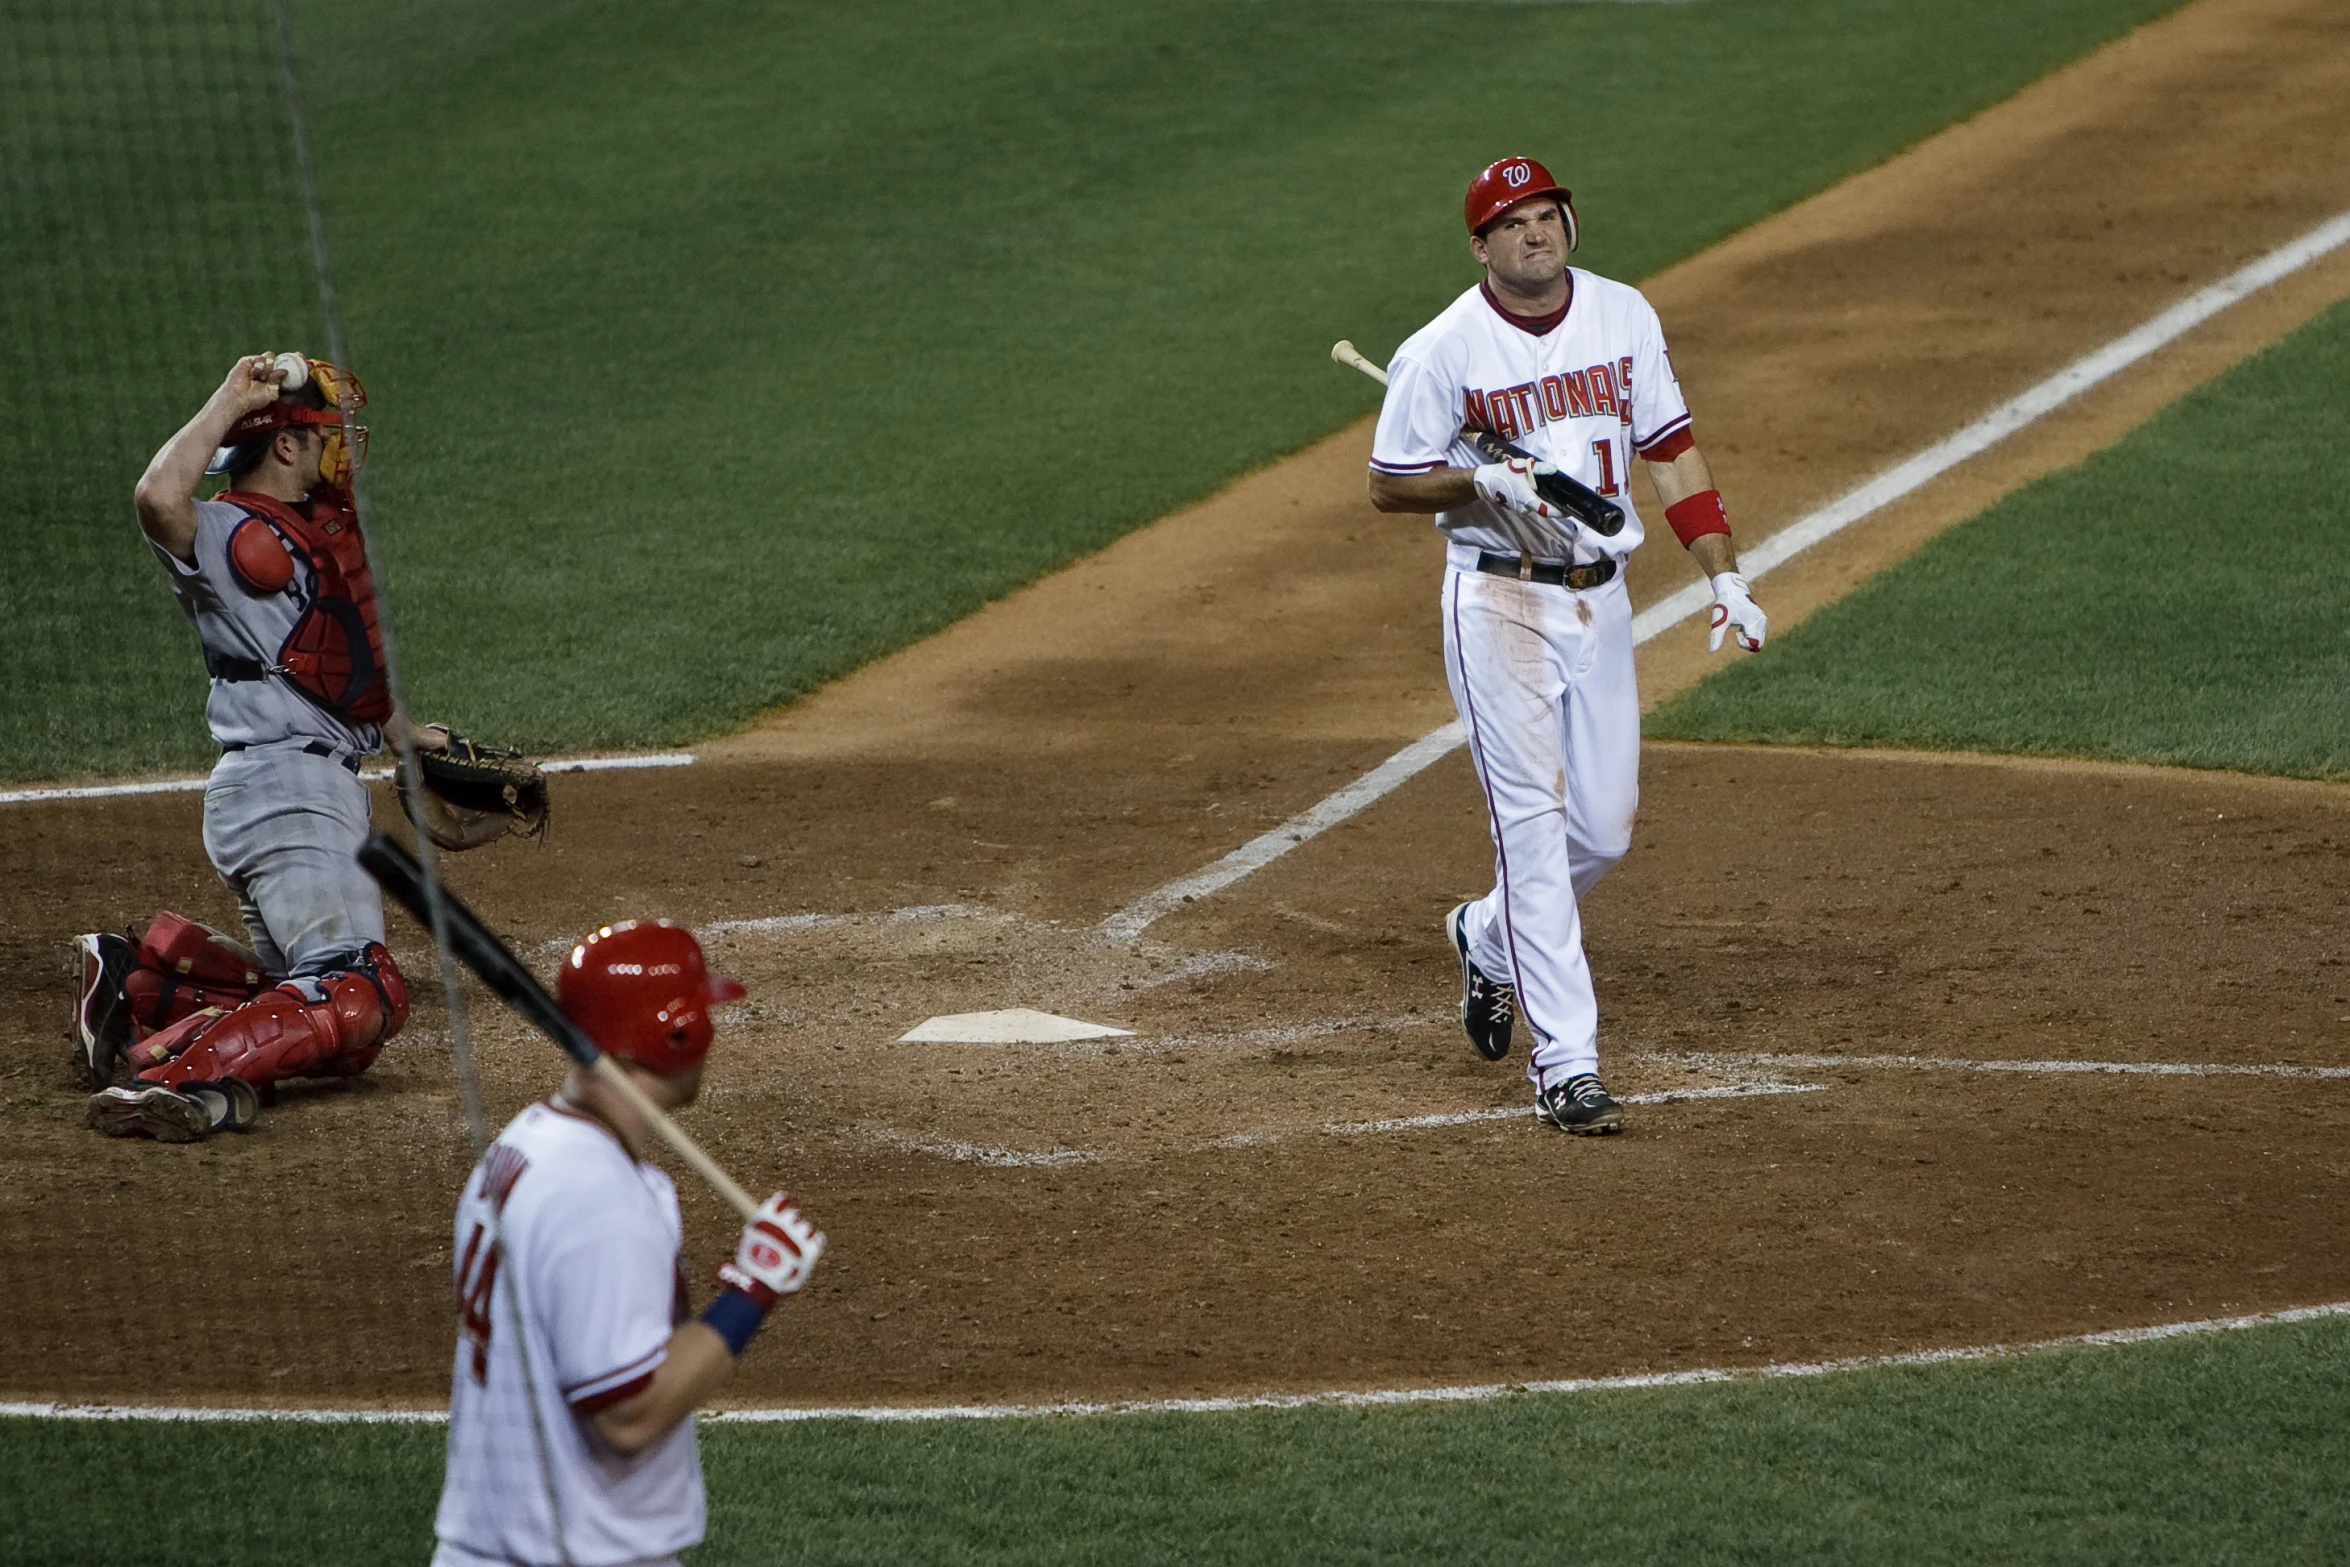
(275, 577)
(1571, 369)
(578, 1371)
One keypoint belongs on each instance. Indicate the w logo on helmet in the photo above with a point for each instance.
(1505, 182)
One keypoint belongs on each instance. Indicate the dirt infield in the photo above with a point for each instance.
(1811, 963)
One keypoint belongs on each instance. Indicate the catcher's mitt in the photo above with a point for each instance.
(475, 793)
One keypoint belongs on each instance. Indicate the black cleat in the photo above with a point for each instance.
(101, 1015)
(1487, 1006)
(1580, 1105)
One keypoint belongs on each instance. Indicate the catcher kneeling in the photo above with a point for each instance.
(275, 576)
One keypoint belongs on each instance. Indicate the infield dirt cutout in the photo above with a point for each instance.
(1223, 1202)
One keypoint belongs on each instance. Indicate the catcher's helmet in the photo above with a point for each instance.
(640, 991)
(1501, 186)
(318, 399)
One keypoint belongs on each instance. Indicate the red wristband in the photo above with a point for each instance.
(1695, 516)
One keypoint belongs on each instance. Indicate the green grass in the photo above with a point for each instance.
(2216, 1449)
(2182, 597)
(716, 350)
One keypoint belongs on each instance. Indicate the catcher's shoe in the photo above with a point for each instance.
(1488, 1006)
(101, 1014)
(152, 1110)
(232, 1103)
(1580, 1105)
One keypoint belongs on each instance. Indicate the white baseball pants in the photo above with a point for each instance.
(1542, 677)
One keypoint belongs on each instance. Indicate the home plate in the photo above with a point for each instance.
(1019, 1026)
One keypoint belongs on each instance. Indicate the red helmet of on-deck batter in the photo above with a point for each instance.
(1501, 186)
(640, 990)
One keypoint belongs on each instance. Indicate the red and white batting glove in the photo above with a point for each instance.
(1510, 485)
(1735, 606)
(777, 1252)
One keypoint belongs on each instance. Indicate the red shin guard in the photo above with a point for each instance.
(328, 1025)
(184, 968)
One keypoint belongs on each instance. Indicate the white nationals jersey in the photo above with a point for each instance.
(232, 619)
(1586, 396)
(565, 1232)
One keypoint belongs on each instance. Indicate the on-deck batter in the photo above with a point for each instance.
(1572, 369)
(571, 1404)
(275, 577)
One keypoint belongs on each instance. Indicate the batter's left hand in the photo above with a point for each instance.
(1735, 606)
(777, 1252)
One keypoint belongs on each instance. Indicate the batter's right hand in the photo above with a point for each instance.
(777, 1252)
(1510, 485)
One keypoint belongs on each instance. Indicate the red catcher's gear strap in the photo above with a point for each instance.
(1696, 516)
(334, 655)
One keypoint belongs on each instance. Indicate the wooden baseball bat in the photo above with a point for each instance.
(1346, 354)
(494, 963)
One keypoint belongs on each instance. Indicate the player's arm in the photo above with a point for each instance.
(695, 1366)
(1693, 506)
(1438, 489)
(166, 495)
(777, 1252)
(1419, 424)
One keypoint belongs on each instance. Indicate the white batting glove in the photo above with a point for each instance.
(1735, 606)
(1510, 485)
(777, 1252)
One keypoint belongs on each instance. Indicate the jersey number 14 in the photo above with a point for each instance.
(477, 1275)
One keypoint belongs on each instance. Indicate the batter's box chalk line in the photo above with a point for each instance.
(1341, 1398)
(1894, 483)
(1521, 1112)
(1014, 1158)
(1731, 1064)
(973, 1153)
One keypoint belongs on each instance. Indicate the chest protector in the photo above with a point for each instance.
(335, 653)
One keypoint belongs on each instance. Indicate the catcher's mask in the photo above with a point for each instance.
(640, 990)
(338, 390)
(1501, 186)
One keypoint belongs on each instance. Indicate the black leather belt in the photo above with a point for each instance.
(228, 666)
(1556, 573)
(348, 760)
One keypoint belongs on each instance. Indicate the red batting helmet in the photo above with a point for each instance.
(640, 991)
(1501, 186)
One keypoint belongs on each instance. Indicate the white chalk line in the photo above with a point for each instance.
(789, 924)
(1260, 851)
(1342, 1398)
(560, 764)
(973, 1153)
(1777, 550)
(1717, 1062)
(1521, 1112)
(1017, 1158)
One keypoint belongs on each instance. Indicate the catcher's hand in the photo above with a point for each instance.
(474, 794)
(1735, 606)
